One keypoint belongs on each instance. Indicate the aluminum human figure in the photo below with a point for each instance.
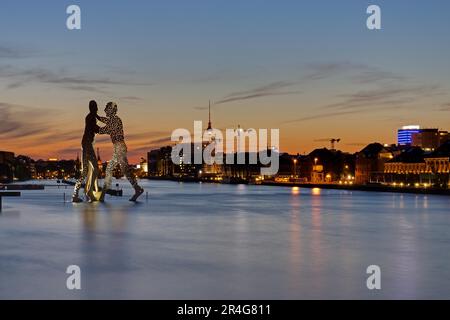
(114, 128)
(89, 159)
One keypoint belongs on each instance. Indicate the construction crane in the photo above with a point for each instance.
(332, 141)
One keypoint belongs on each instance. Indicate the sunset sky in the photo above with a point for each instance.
(310, 68)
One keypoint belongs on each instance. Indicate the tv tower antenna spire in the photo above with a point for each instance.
(209, 116)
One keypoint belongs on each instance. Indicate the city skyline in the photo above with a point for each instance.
(314, 73)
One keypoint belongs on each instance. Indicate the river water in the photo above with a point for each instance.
(208, 241)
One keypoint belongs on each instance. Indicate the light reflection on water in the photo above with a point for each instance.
(295, 191)
(295, 237)
(193, 241)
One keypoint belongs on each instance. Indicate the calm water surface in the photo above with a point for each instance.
(204, 241)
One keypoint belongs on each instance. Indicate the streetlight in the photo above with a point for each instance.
(315, 164)
(295, 168)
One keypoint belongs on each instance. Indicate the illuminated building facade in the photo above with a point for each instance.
(427, 139)
(415, 167)
(370, 162)
(443, 137)
(405, 135)
(55, 169)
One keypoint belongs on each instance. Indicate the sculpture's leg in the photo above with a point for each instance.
(93, 174)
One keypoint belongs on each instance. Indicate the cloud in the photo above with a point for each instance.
(445, 107)
(149, 144)
(46, 76)
(21, 77)
(272, 89)
(319, 116)
(130, 99)
(54, 136)
(359, 73)
(372, 75)
(80, 88)
(29, 130)
(274, 86)
(147, 135)
(384, 95)
(373, 100)
(12, 52)
(19, 121)
(70, 153)
(161, 141)
(319, 71)
(256, 95)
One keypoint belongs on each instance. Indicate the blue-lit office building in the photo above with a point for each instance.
(404, 136)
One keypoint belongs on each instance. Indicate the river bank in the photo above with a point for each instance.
(332, 186)
(375, 188)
